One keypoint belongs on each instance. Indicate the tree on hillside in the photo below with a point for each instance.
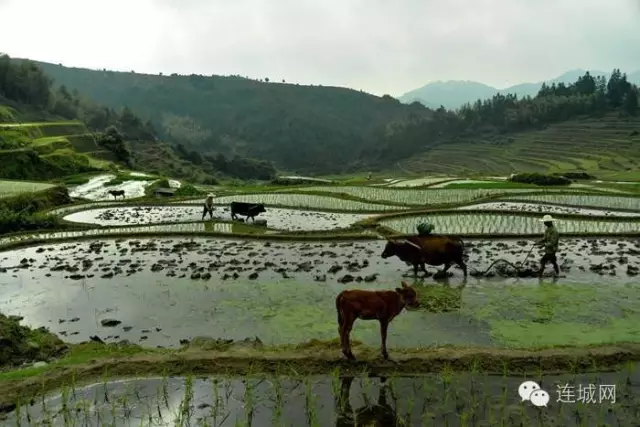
(506, 113)
(24, 82)
(617, 87)
(586, 85)
(113, 141)
(630, 101)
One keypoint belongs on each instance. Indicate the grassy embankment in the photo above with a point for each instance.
(48, 150)
(91, 361)
(22, 205)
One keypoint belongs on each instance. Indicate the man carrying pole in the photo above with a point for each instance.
(550, 243)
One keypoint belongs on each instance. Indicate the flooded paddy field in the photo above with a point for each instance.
(445, 399)
(481, 223)
(585, 200)
(283, 219)
(547, 209)
(164, 291)
(95, 189)
(422, 197)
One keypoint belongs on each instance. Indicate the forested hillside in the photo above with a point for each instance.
(315, 129)
(454, 94)
(503, 115)
(28, 94)
(306, 129)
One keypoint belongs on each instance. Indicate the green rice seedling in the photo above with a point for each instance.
(83, 407)
(335, 381)
(310, 404)
(124, 402)
(410, 404)
(279, 400)
(27, 415)
(503, 394)
(446, 376)
(630, 369)
(186, 405)
(248, 400)
(165, 390)
(65, 405)
(112, 406)
(45, 409)
(426, 393)
(73, 383)
(464, 419)
(18, 412)
(158, 400)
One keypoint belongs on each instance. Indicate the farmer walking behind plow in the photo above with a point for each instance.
(550, 243)
(208, 206)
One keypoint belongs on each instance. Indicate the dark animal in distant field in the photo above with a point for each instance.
(382, 306)
(250, 210)
(432, 249)
(116, 193)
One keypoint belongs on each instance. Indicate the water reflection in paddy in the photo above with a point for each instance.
(432, 400)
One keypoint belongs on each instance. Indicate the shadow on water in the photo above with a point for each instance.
(447, 399)
(378, 414)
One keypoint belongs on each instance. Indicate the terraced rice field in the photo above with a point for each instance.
(281, 219)
(585, 200)
(423, 197)
(95, 189)
(150, 275)
(14, 188)
(543, 209)
(308, 201)
(418, 182)
(187, 229)
(284, 292)
(606, 145)
(338, 400)
(496, 224)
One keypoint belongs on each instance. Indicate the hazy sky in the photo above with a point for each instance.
(380, 46)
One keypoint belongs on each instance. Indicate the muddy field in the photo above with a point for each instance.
(282, 219)
(159, 292)
(429, 400)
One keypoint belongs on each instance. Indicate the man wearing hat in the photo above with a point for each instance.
(550, 243)
(208, 206)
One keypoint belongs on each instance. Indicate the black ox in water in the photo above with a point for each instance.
(250, 210)
(116, 193)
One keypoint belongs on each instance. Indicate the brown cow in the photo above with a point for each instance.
(382, 306)
(432, 249)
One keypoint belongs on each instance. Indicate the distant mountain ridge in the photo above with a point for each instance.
(453, 94)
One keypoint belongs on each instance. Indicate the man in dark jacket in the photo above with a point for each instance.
(550, 243)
